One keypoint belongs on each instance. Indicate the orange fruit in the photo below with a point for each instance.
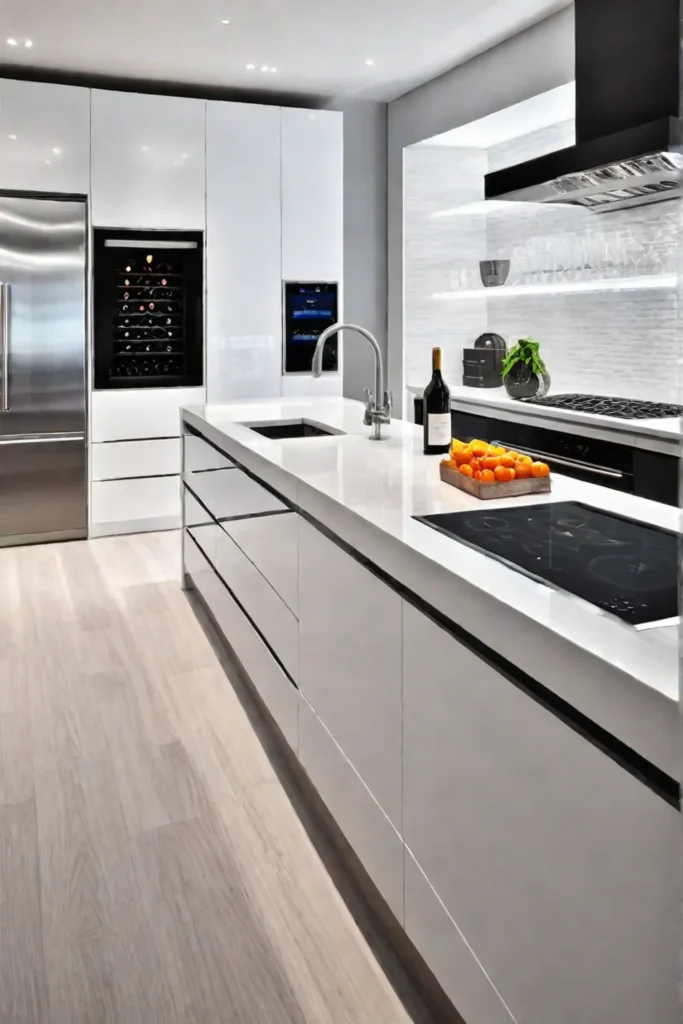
(507, 461)
(477, 475)
(515, 456)
(462, 455)
(504, 474)
(522, 470)
(476, 465)
(499, 450)
(466, 469)
(479, 447)
(491, 461)
(526, 459)
(487, 476)
(540, 469)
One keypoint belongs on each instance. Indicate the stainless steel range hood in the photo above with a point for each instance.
(629, 137)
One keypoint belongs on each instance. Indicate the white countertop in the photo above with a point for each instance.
(367, 493)
(662, 435)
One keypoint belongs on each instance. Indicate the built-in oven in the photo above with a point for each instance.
(309, 308)
(148, 308)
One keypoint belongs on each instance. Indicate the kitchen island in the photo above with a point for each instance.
(501, 756)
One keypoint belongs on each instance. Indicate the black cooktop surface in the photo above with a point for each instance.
(626, 567)
(602, 405)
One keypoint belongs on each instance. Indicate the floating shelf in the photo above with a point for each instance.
(616, 284)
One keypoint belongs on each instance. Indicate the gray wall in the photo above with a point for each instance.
(365, 236)
(532, 62)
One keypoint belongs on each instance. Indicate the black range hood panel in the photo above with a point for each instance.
(628, 132)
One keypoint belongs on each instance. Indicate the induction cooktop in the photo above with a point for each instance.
(603, 405)
(621, 565)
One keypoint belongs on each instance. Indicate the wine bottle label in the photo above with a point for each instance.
(439, 428)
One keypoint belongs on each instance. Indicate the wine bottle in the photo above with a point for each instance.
(437, 411)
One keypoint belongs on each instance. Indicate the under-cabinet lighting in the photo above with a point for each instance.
(617, 284)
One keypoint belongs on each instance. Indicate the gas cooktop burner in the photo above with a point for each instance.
(624, 566)
(602, 405)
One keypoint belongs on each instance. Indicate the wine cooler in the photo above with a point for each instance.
(148, 309)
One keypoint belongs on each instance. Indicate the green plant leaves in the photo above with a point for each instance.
(525, 351)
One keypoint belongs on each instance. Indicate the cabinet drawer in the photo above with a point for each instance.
(120, 459)
(230, 493)
(268, 611)
(194, 514)
(272, 544)
(114, 501)
(200, 456)
(132, 415)
(276, 690)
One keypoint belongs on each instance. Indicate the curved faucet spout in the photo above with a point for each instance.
(377, 406)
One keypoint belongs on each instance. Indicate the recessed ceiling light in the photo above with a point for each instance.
(12, 42)
(13, 138)
(48, 162)
(144, 148)
(28, 43)
(251, 67)
(225, 21)
(369, 62)
(264, 67)
(273, 70)
(56, 149)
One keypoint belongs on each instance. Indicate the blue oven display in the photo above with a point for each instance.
(309, 309)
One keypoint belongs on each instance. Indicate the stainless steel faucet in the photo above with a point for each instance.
(375, 414)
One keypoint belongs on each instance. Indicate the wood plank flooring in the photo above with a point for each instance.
(152, 868)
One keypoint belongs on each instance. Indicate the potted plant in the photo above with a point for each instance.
(524, 372)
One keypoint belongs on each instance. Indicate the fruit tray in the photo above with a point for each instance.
(508, 489)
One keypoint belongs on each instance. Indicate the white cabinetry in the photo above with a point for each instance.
(350, 662)
(375, 841)
(148, 166)
(244, 317)
(558, 867)
(313, 218)
(44, 137)
(135, 459)
(312, 195)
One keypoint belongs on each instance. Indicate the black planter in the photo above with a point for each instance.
(521, 382)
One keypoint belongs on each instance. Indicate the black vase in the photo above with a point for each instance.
(522, 382)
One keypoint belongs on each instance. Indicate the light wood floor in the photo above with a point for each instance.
(152, 868)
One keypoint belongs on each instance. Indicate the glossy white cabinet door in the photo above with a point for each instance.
(44, 137)
(350, 662)
(312, 195)
(272, 544)
(559, 867)
(244, 317)
(130, 415)
(148, 166)
(375, 841)
(125, 459)
(132, 501)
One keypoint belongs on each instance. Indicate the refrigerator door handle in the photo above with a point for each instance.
(40, 438)
(4, 345)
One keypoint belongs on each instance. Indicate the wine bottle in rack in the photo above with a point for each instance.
(437, 411)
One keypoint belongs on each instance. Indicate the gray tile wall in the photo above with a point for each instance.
(438, 178)
(620, 341)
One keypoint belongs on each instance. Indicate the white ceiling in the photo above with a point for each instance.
(319, 47)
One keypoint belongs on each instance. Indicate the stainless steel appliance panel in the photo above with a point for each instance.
(42, 316)
(42, 489)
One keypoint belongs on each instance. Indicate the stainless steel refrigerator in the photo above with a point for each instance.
(43, 461)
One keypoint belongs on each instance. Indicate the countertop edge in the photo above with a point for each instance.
(643, 718)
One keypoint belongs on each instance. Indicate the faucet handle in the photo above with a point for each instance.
(388, 403)
(369, 406)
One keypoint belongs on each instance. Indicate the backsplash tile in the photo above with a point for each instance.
(623, 341)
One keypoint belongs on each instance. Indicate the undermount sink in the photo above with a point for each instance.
(289, 429)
